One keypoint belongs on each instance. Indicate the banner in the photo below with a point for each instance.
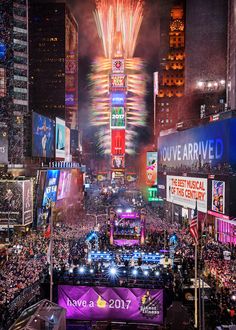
(118, 142)
(114, 304)
(117, 117)
(185, 190)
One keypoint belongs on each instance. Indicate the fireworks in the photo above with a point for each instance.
(118, 23)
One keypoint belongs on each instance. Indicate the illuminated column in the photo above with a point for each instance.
(117, 117)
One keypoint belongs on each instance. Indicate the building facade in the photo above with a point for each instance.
(14, 59)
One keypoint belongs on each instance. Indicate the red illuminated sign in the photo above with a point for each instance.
(118, 142)
(117, 81)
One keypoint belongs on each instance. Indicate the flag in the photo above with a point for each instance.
(47, 233)
(194, 225)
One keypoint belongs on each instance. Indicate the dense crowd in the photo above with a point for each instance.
(27, 259)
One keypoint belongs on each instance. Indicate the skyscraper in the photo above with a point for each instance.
(14, 77)
(231, 56)
(171, 76)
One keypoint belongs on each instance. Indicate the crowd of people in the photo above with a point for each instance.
(27, 260)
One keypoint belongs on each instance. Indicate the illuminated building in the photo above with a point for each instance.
(14, 76)
(231, 72)
(171, 75)
(54, 62)
(118, 84)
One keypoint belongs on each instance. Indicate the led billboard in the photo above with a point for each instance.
(185, 190)
(74, 141)
(67, 144)
(118, 65)
(64, 184)
(218, 196)
(117, 81)
(43, 136)
(50, 188)
(151, 169)
(208, 145)
(117, 98)
(60, 138)
(118, 161)
(27, 202)
(3, 51)
(114, 304)
(118, 142)
(11, 203)
(117, 117)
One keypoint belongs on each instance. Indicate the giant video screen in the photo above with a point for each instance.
(50, 188)
(151, 169)
(64, 184)
(114, 304)
(43, 136)
(117, 117)
(11, 202)
(60, 138)
(3, 144)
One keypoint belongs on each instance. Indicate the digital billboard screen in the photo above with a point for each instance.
(11, 202)
(117, 81)
(117, 98)
(118, 65)
(3, 50)
(118, 117)
(218, 196)
(114, 304)
(64, 184)
(27, 202)
(210, 145)
(118, 142)
(60, 138)
(50, 188)
(185, 190)
(43, 136)
(67, 144)
(151, 169)
(118, 161)
(74, 141)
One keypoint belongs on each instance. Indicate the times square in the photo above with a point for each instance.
(117, 164)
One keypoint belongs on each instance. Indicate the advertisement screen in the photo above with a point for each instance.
(151, 169)
(117, 117)
(28, 202)
(70, 99)
(41, 179)
(3, 87)
(207, 145)
(60, 138)
(117, 81)
(43, 136)
(50, 189)
(11, 202)
(118, 161)
(3, 144)
(118, 142)
(114, 304)
(118, 98)
(218, 196)
(64, 184)
(185, 190)
(118, 65)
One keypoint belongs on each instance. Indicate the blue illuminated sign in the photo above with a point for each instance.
(211, 144)
(2, 51)
(118, 98)
(50, 189)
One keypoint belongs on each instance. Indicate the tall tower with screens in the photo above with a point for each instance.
(118, 84)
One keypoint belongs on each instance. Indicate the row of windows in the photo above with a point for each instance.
(176, 45)
(170, 93)
(174, 66)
